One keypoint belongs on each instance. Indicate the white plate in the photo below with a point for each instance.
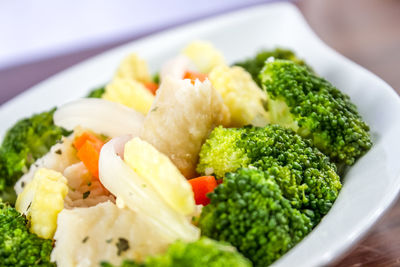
(370, 186)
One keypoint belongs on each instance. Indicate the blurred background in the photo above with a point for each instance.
(40, 38)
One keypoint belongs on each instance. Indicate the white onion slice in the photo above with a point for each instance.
(99, 115)
(138, 195)
(176, 67)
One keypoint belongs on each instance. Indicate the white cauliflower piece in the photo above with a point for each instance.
(181, 118)
(241, 95)
(133, 67)
(204, 55)
(60, 156)
(42, 200)
(87, 236)
(130, 93)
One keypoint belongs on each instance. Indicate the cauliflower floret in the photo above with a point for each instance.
(130, 93)
(204, 55)
(85, 191)
(133, 68)
(87, 236)
(60, 156)
(241, 94)
(42, 200)
(181, 118)
(158, 170)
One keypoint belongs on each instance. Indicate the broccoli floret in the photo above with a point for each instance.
(201, 253)
(316, 110)
(249, 211)
(97, 93)
(156, 78)
(306, 176)
(254, 65)
(19, 247)
(219, 154)
(28, 140)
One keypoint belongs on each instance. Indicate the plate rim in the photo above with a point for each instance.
(389, 200)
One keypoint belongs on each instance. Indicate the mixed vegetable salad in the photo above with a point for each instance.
(201, 164)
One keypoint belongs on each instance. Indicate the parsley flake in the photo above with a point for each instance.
(86, 194)
(122, 245)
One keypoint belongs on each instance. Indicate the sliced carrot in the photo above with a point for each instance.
(80, 140)
(201, 186)
(89, 146)
(152, 87)
(195, 75)
(89, 154)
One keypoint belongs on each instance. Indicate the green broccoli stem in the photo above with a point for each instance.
(97, 93)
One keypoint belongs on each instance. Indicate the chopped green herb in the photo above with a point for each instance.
(96, 93)
(122, 245)
(108, 241)
(86, 194)
(85, 239)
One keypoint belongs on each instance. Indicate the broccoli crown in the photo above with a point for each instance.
(97, 93)
(249, 211)
(19, 247)
(219, 155)
(203, 252)
(305, 175)
(28, 140)
(254, 65)
(319, 111)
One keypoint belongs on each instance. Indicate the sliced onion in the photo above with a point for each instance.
(99, 115)
(138, 195)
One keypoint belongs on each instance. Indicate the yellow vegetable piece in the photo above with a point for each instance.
(204, 55)
(241, 95)
(130, 93)
(158, 170)
(42, 200)
(133, 68)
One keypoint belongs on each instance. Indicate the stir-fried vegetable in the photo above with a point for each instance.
(204, 55)
(180, 120)
(201, 187)
(139, 195)
(42, 200)
(152, 164)
(89, 146)
(158, 171)
(241, 95)
(100, 116)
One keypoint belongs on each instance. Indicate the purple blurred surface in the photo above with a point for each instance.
(18, 78)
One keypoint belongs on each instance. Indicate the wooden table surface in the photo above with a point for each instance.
(368, 32)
